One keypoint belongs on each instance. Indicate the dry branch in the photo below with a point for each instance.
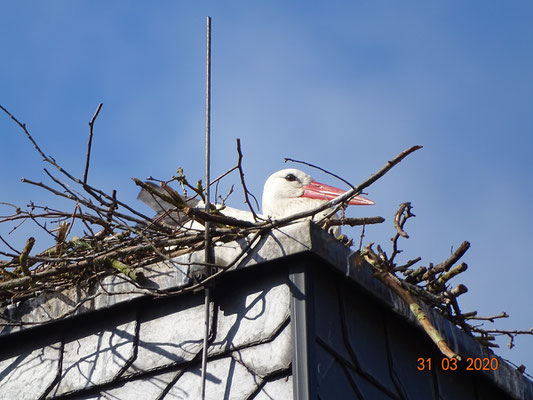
(129, 240)
(243, 183)
(381, 269)
(350, 193)
(354, 221)
(89, 143)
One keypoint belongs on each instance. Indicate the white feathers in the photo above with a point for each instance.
(283, 191)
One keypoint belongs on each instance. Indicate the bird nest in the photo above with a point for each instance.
(119, 239)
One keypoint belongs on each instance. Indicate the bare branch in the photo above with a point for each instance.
(243, 183)
(350, 193)
(89, 144)
(321, 169)
(354, 221)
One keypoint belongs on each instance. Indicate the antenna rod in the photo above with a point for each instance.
(208, 257)
(208, 118)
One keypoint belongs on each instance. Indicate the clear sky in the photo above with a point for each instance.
(346, 85)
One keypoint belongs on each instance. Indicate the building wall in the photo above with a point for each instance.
(151, 349)
(364, 351)
(290, 321)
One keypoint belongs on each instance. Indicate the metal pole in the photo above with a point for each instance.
(208, 257)
(208, 117)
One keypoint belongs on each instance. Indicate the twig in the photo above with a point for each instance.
(400, 218)
(361, 238)
(503, 314)
(405, 212)
(8, 245)
(224, 174)
(89, 144)
(446, 276)
(96, 193)
(23, 258)
(408, 264)
(245, 189)
(354, 221)
(350, 193)
(499, 332)
(457, 254)
(321, 169)
(75, 198)
(382, 273)
(120, 266)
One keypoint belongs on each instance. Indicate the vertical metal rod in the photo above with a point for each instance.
(207, 298)
(208, 116)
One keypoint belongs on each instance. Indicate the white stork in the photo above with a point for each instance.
(285, 193)
(291, 191)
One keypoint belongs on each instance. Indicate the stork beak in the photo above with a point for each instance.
(321, 191)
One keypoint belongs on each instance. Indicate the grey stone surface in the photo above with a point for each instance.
(252, 318)
(280, 389)
(226, 379)
(46, 307)
(28, 375)
(170, 338)
(148, 388)
(267, 358)
(95, 358)
(252, 335)
(116, 289)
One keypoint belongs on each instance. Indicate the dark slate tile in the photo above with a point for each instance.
(367, 337)
(407, 346)
(369, 390)
(333, 382)
(453, 385)
(328, 314)
(487, 390)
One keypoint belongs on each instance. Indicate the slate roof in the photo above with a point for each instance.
(289, 320)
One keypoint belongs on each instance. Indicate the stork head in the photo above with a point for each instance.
(289, 191)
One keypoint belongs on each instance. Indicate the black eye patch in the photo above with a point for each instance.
(291, 178)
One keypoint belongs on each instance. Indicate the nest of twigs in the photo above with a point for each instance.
(119, 239)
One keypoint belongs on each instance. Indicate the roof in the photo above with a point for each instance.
(273, 322)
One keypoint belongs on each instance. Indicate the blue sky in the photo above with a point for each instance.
(346, 85)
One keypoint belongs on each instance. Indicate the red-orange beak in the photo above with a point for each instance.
(321, 191)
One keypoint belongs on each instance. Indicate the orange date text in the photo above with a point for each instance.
(452, 364)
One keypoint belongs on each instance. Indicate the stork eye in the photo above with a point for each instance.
(291, 178)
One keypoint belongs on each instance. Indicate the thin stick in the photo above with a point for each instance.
(457, 254)
(381, 272)
(350, 193)
(207, 299)
(321, 169)
(241, 173)
(91, 190)
(8, 245)
(75, 198)
(89, 144)
(355, 221)
(223, 175)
